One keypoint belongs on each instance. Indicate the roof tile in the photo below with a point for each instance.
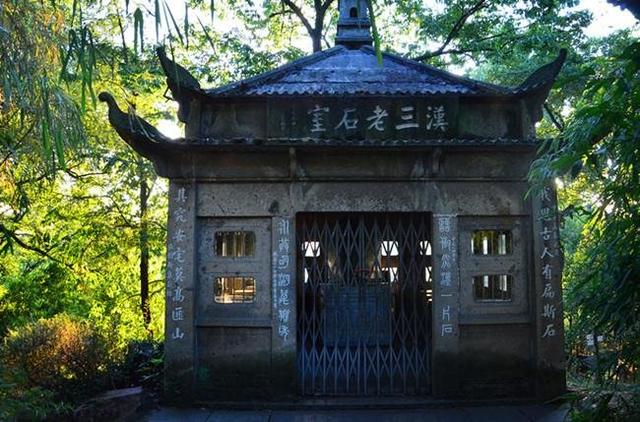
(340, 71)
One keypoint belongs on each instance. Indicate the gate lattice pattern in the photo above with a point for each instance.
(364, 303)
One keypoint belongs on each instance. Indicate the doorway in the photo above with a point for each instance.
(364, 297)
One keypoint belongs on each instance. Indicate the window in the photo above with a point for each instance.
(491, 242)
(425, 250)
(235, 290)
(353, 12)
(492, 287)
(235, 244)
(311, 249)
(389, 259)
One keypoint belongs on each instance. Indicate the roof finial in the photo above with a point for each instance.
(354, 26)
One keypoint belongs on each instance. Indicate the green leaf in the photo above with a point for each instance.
(138, 29)
(157, 16)
(167, 10)
(207, 36)
(73, 10)
(186, 22)
(374, 28)
(46, 141)
(59, 148)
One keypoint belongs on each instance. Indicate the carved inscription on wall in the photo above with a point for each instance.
(375, 118)
(549, 266)
(282, 300)
(176, 265)
(445, 235)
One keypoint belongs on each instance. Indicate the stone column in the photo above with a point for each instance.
(549, 330)
(180, 293)
(446, 305)
(284, 317)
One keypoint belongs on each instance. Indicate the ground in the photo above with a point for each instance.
(546, 413)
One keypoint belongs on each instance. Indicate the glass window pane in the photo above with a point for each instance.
(235, 244)
(491, 242)
(235, 290)
(492, 287)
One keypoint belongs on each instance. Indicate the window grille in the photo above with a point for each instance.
(491, 242)
(492, 287)
(235, 289)
(235, 244)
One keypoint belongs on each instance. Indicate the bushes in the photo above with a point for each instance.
(18, 403)
(51, 362)
(60, 354)
(142, 366)
(49, 366)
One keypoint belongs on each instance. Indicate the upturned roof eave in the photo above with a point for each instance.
(161, 150)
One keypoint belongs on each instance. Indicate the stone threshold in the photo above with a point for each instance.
(363, 403)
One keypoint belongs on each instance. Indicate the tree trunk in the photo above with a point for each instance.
(316, 38)
(144, 248)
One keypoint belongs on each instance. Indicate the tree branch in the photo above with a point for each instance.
(556, 120)
(280, 13)
(298, 12)
(464, 51)
(454, 32)
(124, 43)
(325, 6)
(14, 237)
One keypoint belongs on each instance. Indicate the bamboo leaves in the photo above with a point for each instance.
(37, 117)
(186, 23)
(138, 29)
(167, 12)
(157, 14)
(374, 29)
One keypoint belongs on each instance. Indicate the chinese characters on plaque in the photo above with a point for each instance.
(547, 268)
(445, 235)
(365, 119)
(176, 265)
(282, 278)
(378, 119)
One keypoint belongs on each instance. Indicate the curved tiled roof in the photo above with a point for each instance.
(341, 71)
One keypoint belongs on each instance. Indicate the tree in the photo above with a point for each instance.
(315, 31)
(601, 143)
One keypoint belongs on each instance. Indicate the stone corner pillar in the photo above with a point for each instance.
(179, 343)
(549, 321)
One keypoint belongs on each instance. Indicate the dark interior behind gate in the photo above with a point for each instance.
(364, 303)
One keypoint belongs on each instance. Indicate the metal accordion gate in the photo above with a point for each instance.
(364, 303)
